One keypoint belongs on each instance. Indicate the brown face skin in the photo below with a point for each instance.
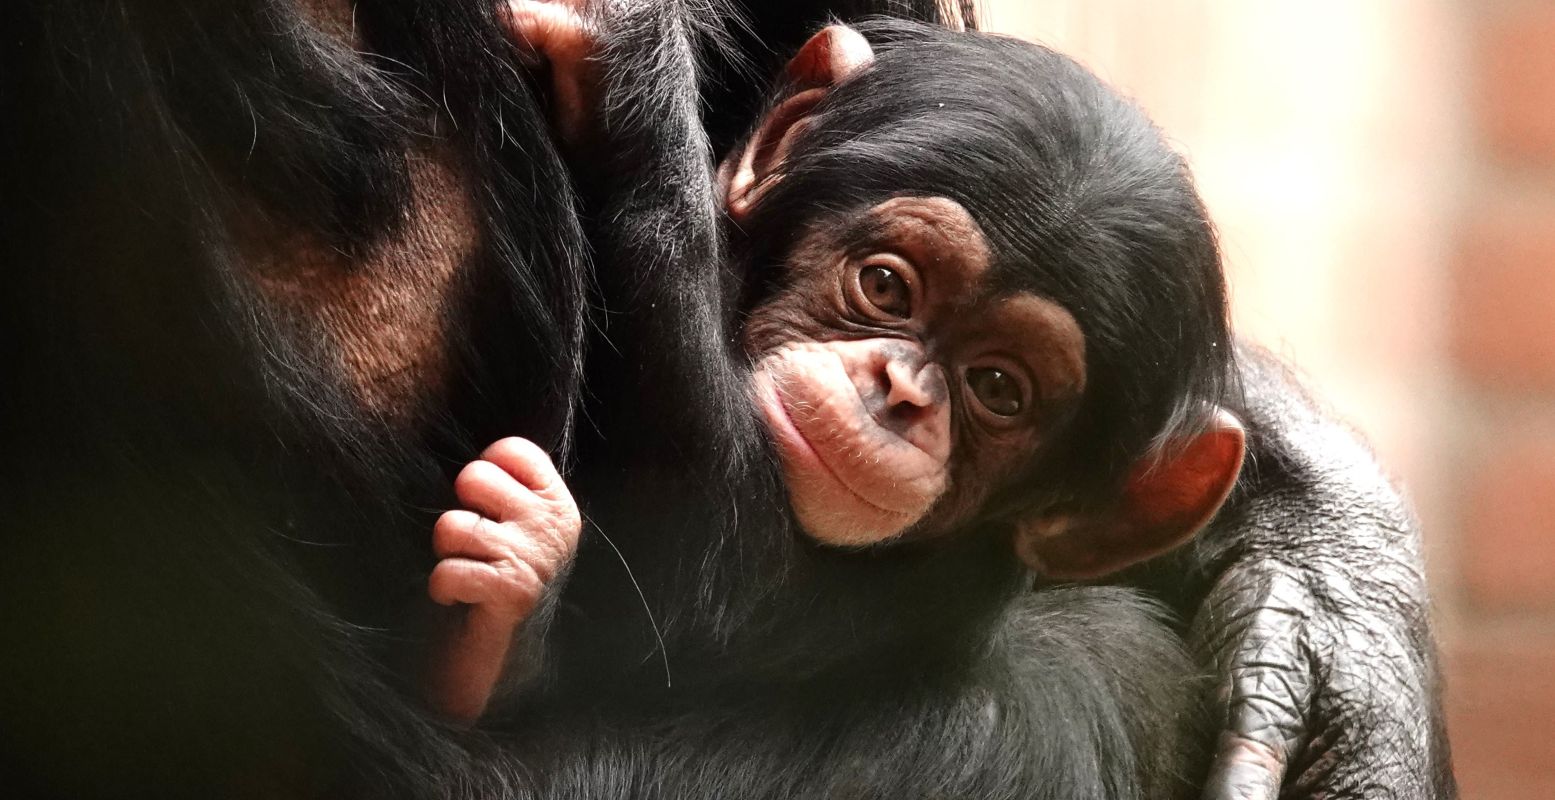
(898, 391)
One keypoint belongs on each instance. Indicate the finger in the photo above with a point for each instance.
(490, 490)
(545, 27)
(557, 33)
(1263, 728)
(466, 534)
(528, 464)
(503, 594)
(540, 547)
(462, 580)
(1267, 691)
(1245, 769)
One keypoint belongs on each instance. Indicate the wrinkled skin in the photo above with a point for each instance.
(1312, 608)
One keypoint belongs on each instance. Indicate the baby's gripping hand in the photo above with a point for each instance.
(561, 34)
(517, 532)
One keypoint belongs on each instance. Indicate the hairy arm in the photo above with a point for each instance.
(625, 85)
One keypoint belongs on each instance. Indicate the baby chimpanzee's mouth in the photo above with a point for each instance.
(850, 480)
(781, 422)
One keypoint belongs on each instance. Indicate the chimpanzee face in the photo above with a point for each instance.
(899, 389)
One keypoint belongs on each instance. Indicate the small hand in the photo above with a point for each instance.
(560, 34)
(517, 533)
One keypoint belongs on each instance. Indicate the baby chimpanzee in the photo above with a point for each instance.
(981, 302)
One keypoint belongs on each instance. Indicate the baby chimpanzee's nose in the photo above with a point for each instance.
(902, 390)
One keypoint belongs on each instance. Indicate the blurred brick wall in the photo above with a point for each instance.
(1383, 177)
(1502, 665)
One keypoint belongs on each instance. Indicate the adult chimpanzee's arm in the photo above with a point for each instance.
(1310, 598)
(625, 103)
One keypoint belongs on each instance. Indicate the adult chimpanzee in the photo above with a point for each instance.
(275, 266)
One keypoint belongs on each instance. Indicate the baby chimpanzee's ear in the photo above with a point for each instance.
(826, 60)
(1163, 504)
(829, 57)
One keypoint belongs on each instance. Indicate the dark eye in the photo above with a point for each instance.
(884, 289)
(997, 390)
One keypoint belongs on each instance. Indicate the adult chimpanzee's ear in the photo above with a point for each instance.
(1163, 504)
(829, 57)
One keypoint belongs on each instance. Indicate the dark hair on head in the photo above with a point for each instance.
(1081, 198)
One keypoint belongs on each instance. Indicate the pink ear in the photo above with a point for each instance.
(826, 59)
(829, 57)
(1162, 505)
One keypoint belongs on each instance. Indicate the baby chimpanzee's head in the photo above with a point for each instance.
(989, 294)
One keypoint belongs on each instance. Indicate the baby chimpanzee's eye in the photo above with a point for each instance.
(886, 291)
(997, 390)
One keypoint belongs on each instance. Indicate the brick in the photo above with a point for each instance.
(1507, 548)
(1514, 82)
(1500, 704)
(1504, 291)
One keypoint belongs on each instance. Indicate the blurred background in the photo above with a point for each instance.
(1383, 177)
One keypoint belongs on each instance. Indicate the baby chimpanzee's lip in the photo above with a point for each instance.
(794, 443)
